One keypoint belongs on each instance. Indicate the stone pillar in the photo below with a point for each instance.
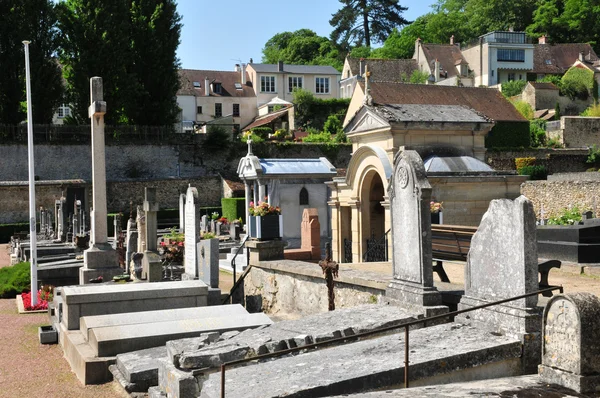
(182, 213)
(141, 228)
(387, 224)
(131, 242)
(56, 219)
(410, 193)
(356, 231)
(248, 192)
(310, 233)
(42, 219)
(100, 259)
(261, 191)
(255, 195)
(151, 265)
(337, 246)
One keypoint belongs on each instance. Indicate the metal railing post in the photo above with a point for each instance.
(406, 354)
(222, 380)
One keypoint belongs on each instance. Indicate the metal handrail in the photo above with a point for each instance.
(377, 243)
(238, 282)
(405, 325)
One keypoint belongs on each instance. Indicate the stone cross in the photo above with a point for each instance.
(100, 261)
(410, 196)
(96, 111)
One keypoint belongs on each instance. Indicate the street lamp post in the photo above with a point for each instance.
(32, 228)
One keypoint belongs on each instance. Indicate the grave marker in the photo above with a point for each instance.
(410, 196)
(570, 348)
(182, 212)
(100, 259)
(192, 234)
(151, 264)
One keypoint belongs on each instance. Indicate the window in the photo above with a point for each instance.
(343, 93)
(267, 84)
(199, 110)
(511, 77)
(236, 110)
(507, 55)
(218, 109)
(303, 197)
(63, 111)
(294, 82)
(322, 85)
(217, 88)
(492, 73)
(238, 86)
(548, 62)
(196, 84)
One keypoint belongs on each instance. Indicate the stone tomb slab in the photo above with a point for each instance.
(443, 351)
(177, 314)
(80, 301)
(109, 341)
(138, 369)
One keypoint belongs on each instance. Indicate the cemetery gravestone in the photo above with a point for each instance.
(182, 213)
(192, 234)
(151, 265)
(100, 259)
(141, 228)
(410, 194)
(204, 224)
(131, 242)
(571, 343)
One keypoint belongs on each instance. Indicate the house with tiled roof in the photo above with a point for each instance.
(556, 59)
(392, 70)
(445, 62)
(280, 80)
(216, 97)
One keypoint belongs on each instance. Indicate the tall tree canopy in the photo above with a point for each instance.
(34, 20)
(132, 46)
(363, 22)
(301, 47)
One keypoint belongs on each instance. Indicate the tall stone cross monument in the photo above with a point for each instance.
(100, 259)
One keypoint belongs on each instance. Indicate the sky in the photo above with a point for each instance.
(217, 34)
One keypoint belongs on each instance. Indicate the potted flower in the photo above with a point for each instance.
(436, 212)
(265, 221)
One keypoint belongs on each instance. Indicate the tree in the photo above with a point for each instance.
(132, 46)
(34, 20)
(302, 47)
(363, 22)
(401, 44)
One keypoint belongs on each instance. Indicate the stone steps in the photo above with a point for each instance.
(240, 260)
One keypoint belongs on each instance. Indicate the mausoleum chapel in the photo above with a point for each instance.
(447, 127)
(291, 184)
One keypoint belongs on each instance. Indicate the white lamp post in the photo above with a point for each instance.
(32, 229)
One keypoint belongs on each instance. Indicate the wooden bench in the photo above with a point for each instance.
(452, 243)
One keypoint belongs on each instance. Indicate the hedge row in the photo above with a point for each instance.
(14, 280)
(509, 135)
(234, 208)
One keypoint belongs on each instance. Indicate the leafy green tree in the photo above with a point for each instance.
(484, 16)
(516, 87)
(418, 77)
(34, 20)
(401, 44)
(332, 125)
(131, 45)
(156, 28)
(363, 22)
(303, 47)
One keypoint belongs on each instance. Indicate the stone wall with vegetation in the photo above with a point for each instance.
(153, 161)
(555, 160)
(14, 196)
(554, 196)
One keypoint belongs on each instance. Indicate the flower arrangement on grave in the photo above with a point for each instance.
(223, 220)
(208, 235)
(263, 209)
(173, 237)
(436, 207)
(44, 295)
(214, 216)
(172, 247)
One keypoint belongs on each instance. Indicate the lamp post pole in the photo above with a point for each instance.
(32, 228)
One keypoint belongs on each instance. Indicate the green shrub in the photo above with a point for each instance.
(522, 162)
(591, 169)
(554, 79)
(249, 135)
(314, 112)
(14, 280)
(592, 111)
(418, 77)
(553, 143)
(515, 87)
(217, 138)
(209, 211)
(577, 83)
(537, 131)
(318, 137)
(534, 172)
(262, 132)
(509, 135)
(524, 109)
(333, 125)
(566, 217)
(593, 155)
(233, 208)
(557, 111)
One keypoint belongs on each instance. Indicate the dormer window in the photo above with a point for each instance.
(548, 62)
(217, 88)
(196, 84)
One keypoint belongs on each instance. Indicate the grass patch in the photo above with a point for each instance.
(14, 280)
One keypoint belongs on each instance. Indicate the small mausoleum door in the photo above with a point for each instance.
(373, 219)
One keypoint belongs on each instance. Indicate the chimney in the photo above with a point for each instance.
(243, 70)
(581, 56)
(237, 68)
(206, 87)
(251, 61)
(452, 40)
(280, 66)
(361, 67)
(436, 72)
(542, 40)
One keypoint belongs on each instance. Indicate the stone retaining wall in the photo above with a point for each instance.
(555, 196)
(555, 160)
(297, 287)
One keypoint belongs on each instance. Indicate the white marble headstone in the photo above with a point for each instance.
(192, 233)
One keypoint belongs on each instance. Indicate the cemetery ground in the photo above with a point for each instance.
(28, 368)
